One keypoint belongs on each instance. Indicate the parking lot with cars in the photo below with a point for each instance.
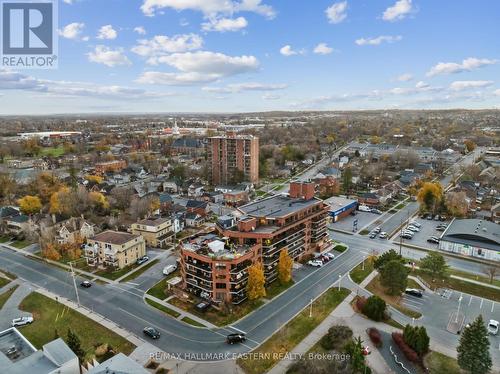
(427, 229)
(347, 223)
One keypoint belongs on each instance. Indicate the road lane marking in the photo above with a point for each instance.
(492, 306)
(470, 300)
(481, 305)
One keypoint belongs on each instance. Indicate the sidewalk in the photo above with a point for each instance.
(10, 310)
(342, 315)
(182, 312)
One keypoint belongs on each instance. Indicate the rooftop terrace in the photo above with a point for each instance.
(215, 246)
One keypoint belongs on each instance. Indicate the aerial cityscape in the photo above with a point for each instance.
(249, 186)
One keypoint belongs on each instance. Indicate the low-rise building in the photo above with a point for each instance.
(472, 237)
(74, 230)
(157, 232)
(115, 165)
(19, 356)
(340, 207)
(114, 249)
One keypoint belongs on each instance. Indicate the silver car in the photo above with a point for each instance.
(22, 321)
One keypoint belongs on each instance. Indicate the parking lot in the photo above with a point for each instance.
(427, 229)
(346, 223)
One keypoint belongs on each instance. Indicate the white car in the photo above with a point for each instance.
(330, 255)
(413, 228)
(415, 223)
(493, 327)
(22, 321)
(364, 208)
(169, 269)
(382, 235)
(315, 263)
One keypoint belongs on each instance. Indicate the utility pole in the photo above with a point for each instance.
(311, 309)
(401, 238)
(340, 278)
(74, 283)
(458, 309)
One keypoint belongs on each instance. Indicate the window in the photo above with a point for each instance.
(220, 286)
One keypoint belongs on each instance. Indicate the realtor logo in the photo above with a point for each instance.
(29, 38)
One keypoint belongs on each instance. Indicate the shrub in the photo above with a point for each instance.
(375, 337)
(374, 308)
(409, 353)
(336, 337)
(360, 303)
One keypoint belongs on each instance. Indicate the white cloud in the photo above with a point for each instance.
(422, 84)
(240, 87)
(406, 77)
(140, 30)
(337, 12)
(199, 67)
(469, 64)
(398, 11)
(269, 96)
(496, 92)
(72, 31)
(209, 8)
(379, 40)
(160, 45)
(465, 85)
(107, 32)
(225, 24)
(287, 51)
(108, 56)
(322, 49)
(16, 81)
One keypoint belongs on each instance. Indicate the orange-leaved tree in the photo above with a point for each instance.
(256, 281)
(285, 264)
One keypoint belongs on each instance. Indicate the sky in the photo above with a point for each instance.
(262, 55)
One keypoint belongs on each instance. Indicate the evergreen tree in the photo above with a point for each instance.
(374, 308)
(75, 345)
(394, 276)
(423, 340)
(435, 264)
(474, 348)
(386, 257)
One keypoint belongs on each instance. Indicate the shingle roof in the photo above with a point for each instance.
(114, 237)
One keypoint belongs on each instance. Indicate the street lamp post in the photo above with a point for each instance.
(74, 283)
(458, 309)
(363, 267)
(311, 309)
(340, 278)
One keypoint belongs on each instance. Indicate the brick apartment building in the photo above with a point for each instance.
(215, 266)
(115, 165)
(232, 157)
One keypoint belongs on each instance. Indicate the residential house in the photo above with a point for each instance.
(114, 166)
(170, 187)
(157, 231)
(73, 230)
(196, 190)
(166, 201)
(18, 224)
(194, 219)
(369, 198)
(114, 249)
(198, 207)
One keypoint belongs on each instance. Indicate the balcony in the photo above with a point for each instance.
(199, 264)
(198, 273)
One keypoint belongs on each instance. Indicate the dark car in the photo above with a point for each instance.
(151, 332)
(433, 240)
(406, 236)
(86, 284)
(235, 338)
(413, 292)
(203, 306)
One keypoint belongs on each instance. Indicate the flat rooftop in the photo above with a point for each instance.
(14, 346)
(114, 237)
(339, 202)
(277, 206)
(213, 245)
(474, 232)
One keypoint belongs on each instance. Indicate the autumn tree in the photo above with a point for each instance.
(430, 196)
(45, 185)
(98, 201)
(469, 145)
(50, 252)
(7, 187)
(61, 202)
(456, 204)
(285, 264)
(30, 204)
(346, 179)
(94, 178)
(256, 282)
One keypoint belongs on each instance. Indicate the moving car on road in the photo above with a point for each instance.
(151, 332)
(22, 321)
(169, 269)
(235, 338)
(493, 327)
(383, 235)
(86, 284)
(413, 292)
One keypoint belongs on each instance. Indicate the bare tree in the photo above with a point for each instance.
(491, 271)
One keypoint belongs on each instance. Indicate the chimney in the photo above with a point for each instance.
(302, 190)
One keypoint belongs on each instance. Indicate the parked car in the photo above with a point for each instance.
(235, 338)
(433, 240)
(382, 235)
(86, 284)
(373, 235)
(413, 228)
(325, 259)
(22, 321)
(376, 211)
(364, 208)
(437, 217)
(377, 229)
(151, 332)
(429, 217)
(315, 263)
(406, 236)
(493, 327)
(142, 260)
(203, 306)
(169, 269)
(330, 255)
(408, 232)
(440, 228)
(416, 224)
(413, 292)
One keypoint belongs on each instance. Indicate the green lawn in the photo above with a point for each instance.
(158, 290)
(340, 248)
(364, 232)
(192, 322)
(4, 239)
(4, 282)
(6, 274)
(20, 244)
(459, 285)
(377, 289)
(5, 296)
(358, 274)
(113, 275)
(276, 288)
(51, 316)
(163, 308)
(136, 273)
(285, 339)
(216, 317)
(438, 363)
(52, 151)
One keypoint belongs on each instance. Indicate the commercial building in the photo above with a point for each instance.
(157, 232)
(233, 159)
(114, 249)
(472, 237)
(19, 356)
(215, 266)
(340, 207)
